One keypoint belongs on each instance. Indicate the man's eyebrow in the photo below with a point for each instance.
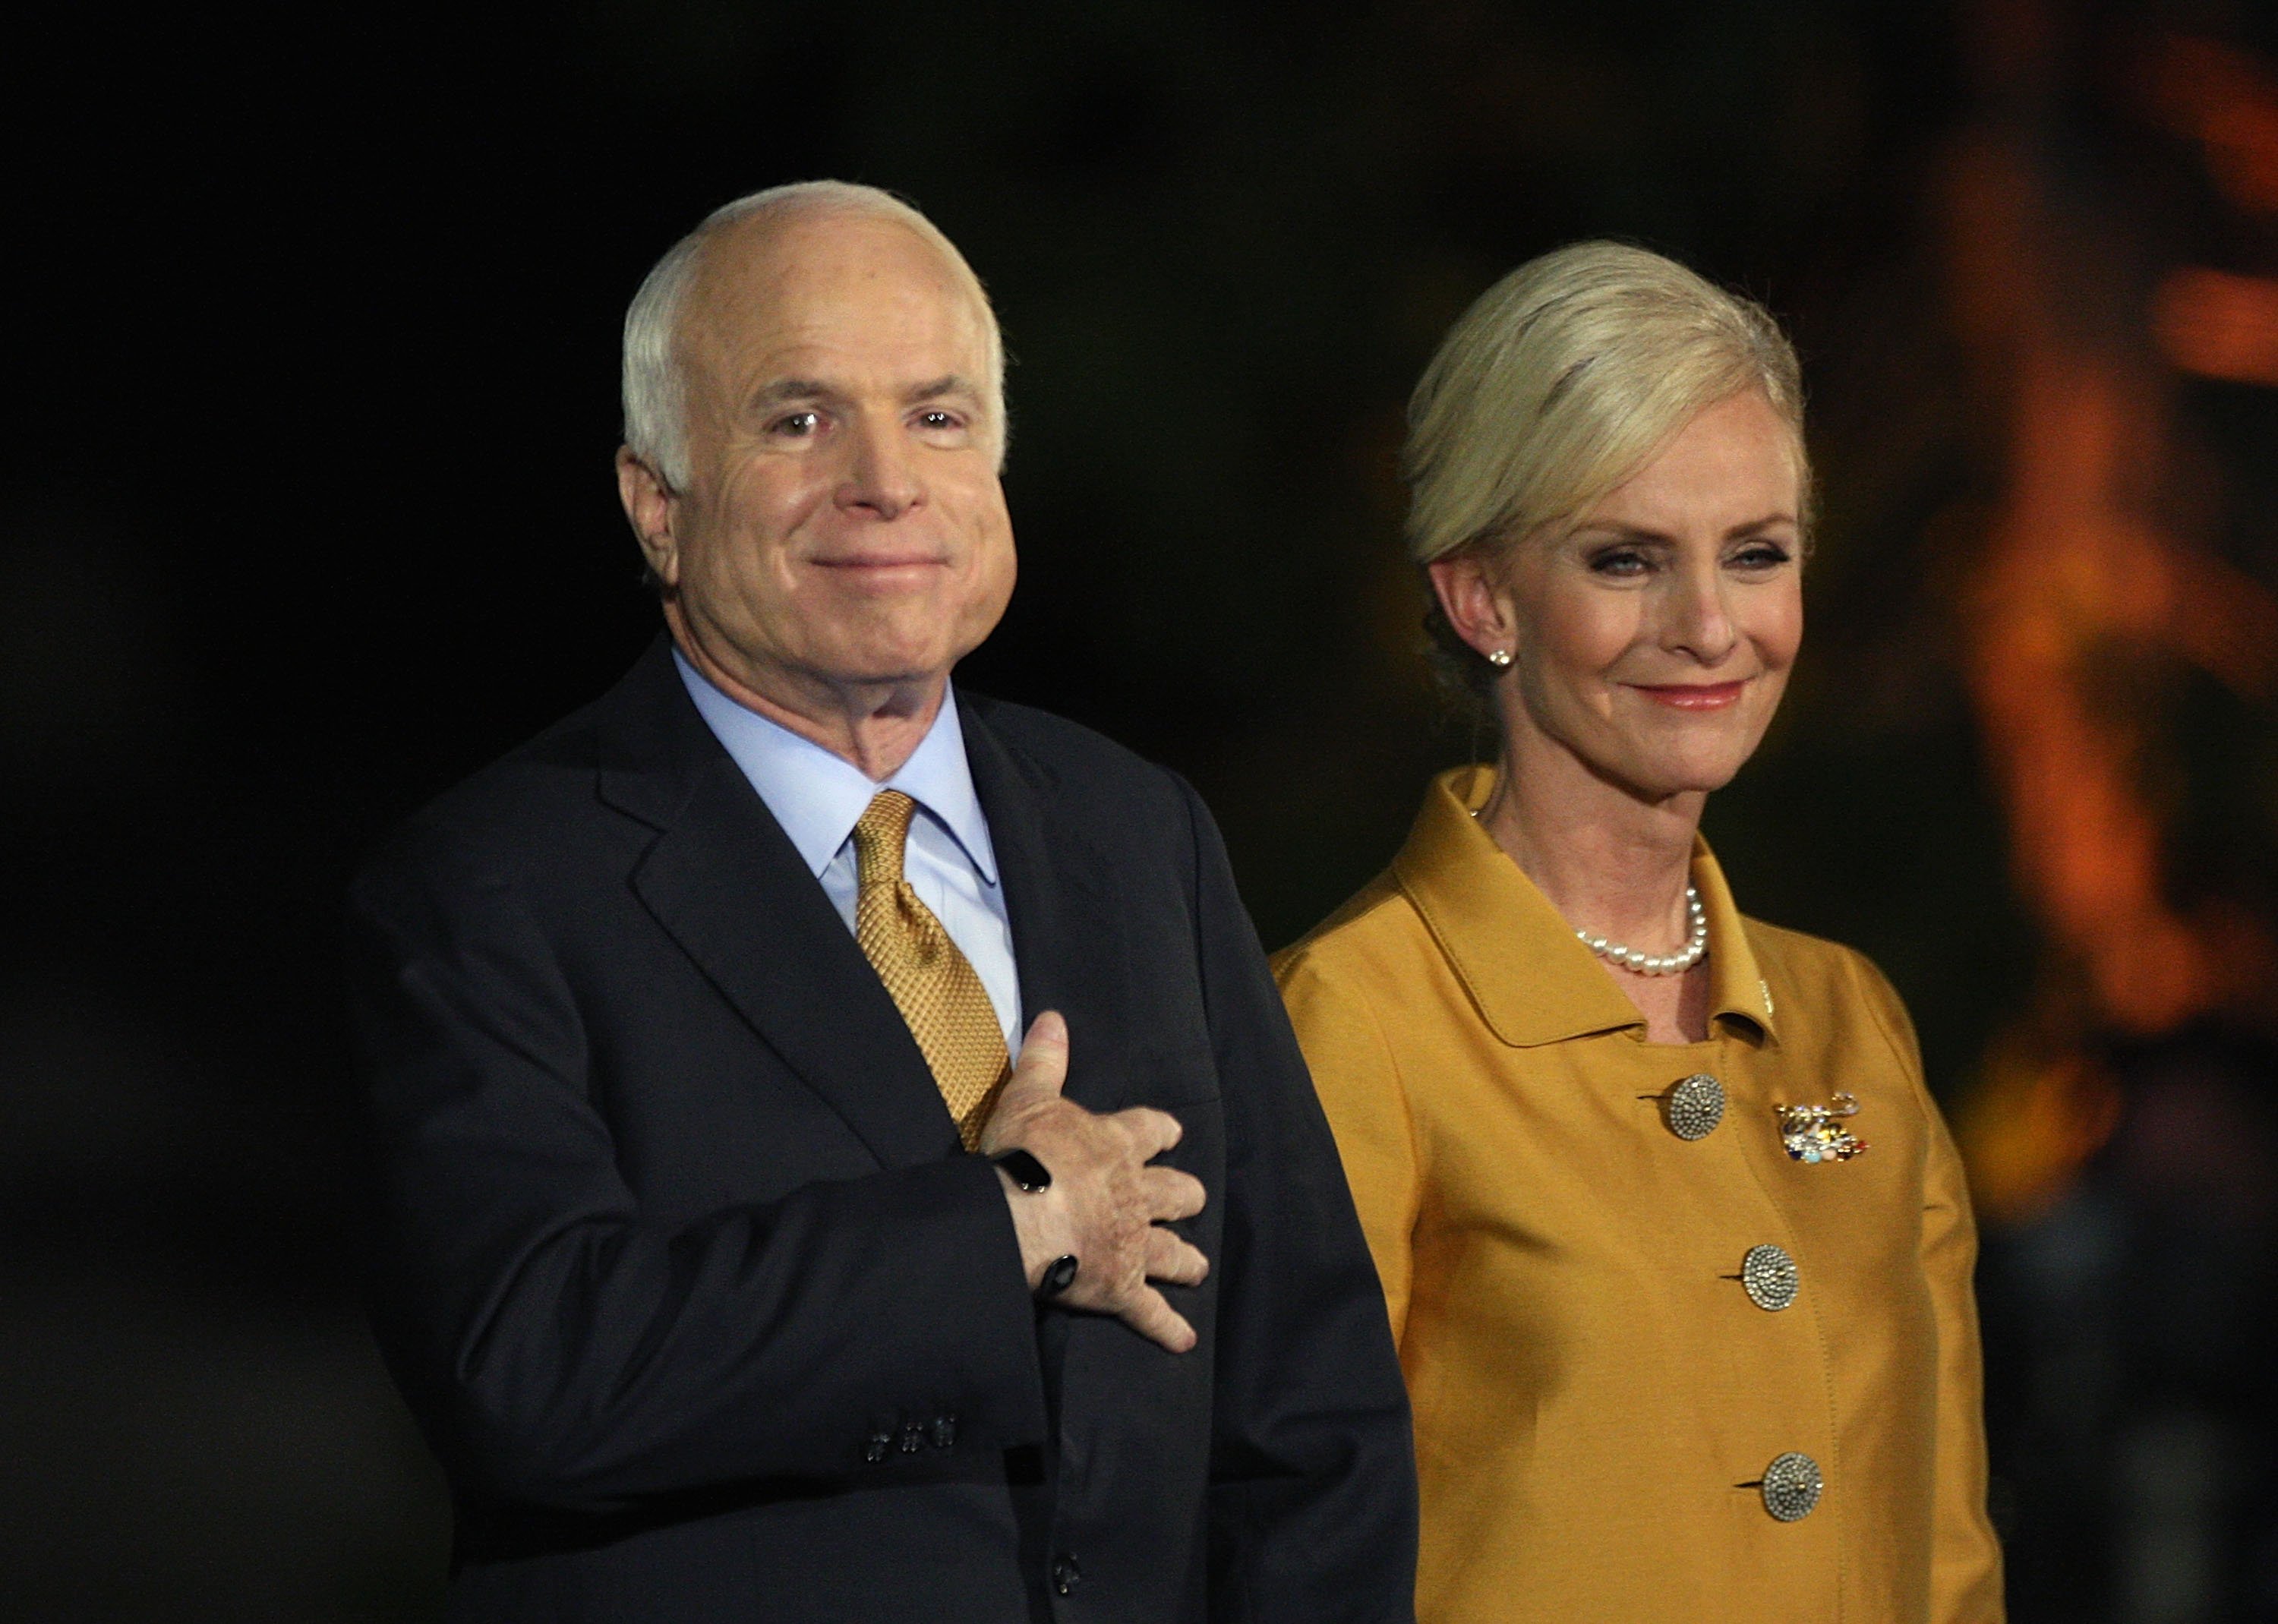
(777, 391)
(948, 384)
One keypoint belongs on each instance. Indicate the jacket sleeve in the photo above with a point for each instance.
(1965, 1552)
(563, 1350)
(1312, 1495)
(1359, 1088)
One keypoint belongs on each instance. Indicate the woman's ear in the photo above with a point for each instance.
(1473, 604)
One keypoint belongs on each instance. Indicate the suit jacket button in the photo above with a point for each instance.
(874, 1451)
(1693, 1105)
(1768, 1275)
(913, 1438)
(1065, 1574)
(945, 1431)
(1792, 1487)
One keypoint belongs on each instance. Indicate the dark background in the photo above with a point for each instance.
(306, 513)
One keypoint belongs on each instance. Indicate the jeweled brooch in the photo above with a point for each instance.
(1810, 1134)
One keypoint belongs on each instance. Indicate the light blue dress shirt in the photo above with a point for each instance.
(818, 797)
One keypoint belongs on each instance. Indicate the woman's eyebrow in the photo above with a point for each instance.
(1613, 530)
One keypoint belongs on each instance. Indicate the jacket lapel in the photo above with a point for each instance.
(725, 882)
(1071, 959)
(1064, 937)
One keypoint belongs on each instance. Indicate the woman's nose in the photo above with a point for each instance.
(1700, 622)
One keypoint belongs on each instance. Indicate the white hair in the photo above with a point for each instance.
(654, 384)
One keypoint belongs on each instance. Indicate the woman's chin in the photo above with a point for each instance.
(1661, 778)
(1692, 761)
(1694, 756)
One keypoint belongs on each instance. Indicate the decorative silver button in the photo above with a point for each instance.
(1768, 1276)
(1792, 1487)
(1695, 1105)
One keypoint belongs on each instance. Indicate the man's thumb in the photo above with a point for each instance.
(1041, 1066)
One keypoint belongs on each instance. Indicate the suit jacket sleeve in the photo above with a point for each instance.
(1312, 1498)
(563, 1350)
(1965, 1553)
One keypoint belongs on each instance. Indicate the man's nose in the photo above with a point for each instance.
(881, 477)
(1700, 620)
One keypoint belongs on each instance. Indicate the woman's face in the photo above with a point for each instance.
(1652, 639)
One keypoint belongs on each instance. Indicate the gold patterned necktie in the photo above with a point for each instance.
(935, 986)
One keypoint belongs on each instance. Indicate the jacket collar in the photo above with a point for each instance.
(818, 797)
(1532, 982)
(725, 882)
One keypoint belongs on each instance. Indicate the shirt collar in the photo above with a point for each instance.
(818, 797)
(1517, 956)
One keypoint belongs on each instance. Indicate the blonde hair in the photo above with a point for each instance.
(1564, 378)
(654, 392)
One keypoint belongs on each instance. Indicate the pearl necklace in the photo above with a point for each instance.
(1695, 948)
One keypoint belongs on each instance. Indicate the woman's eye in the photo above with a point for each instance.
(1760, 555)
(1618, 562)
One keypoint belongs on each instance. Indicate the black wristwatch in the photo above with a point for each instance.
(1033, 1178)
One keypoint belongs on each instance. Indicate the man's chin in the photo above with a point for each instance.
(896, 668)
(899, 656)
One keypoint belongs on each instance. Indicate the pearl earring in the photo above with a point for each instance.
(1500, 659)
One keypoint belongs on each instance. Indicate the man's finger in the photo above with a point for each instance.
(1152, 1132)
(1157, 1321)
(1169, 1193)
(1175, 1261)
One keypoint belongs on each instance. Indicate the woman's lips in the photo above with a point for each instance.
(1694, 696)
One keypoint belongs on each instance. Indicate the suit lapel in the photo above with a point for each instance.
(725, 882)
(1070, 958)
(1064, 930)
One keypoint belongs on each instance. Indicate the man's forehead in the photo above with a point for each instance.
(776, 242)
(810, 281)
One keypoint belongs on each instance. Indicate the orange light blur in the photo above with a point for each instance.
(2228, 102)
(2078, 582)
(2219, 326)
(2030, 1122)
(2072, 581)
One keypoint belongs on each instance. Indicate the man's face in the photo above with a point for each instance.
(843, 523)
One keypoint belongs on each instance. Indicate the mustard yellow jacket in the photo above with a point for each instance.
(1599, 1392)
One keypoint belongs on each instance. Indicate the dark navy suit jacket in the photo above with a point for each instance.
(678, 1262)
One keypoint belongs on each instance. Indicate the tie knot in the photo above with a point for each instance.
(880, 834)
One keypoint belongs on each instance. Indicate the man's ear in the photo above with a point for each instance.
(652, 508)
(1473, 605)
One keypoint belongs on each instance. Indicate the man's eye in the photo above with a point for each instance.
(797, 425)
(937, 420)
